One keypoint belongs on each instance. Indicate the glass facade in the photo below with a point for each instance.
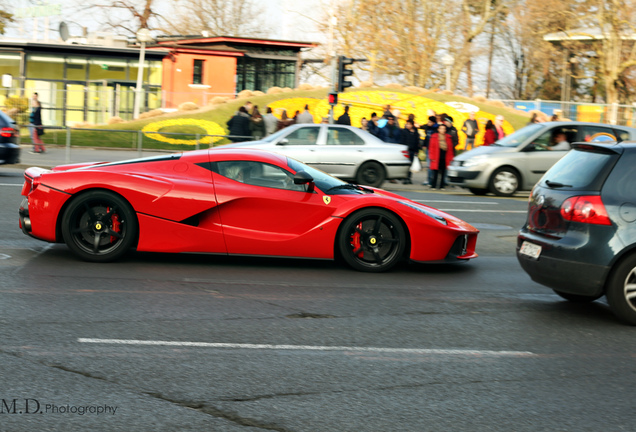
(261, 74)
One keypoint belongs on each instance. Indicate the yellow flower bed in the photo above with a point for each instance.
(364, 103)
(151, 130)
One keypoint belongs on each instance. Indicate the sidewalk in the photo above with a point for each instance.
(57, 155)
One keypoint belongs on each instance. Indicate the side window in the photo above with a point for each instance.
(303, 136)
(259, 174)
(541, 143)
(597, 134)
(342, 136)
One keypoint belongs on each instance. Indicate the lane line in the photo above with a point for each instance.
(307, 347)
(11, 184)
(456, 202)
(483, 211)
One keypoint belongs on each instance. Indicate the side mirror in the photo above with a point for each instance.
(303, 177)
(284, 141)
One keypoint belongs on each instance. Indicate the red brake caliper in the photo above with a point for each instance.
(116, 225)
(355, 241)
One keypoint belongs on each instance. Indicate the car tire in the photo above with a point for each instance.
(371, 174)
(372, 240)
(477, 191)
(621, 290)
(504, 182)
(576, 298)
(99, 226)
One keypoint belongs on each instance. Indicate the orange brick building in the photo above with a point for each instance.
(198, 68)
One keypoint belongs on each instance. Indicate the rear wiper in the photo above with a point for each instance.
(350, 186)
(556, 184)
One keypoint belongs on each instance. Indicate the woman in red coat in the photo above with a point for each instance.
(491, 133)
(441, 153)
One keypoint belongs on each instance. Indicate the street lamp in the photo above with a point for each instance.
(448, 61)
(143, 36)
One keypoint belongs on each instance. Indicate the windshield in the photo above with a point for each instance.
(323, 181)
(275, 135)
(519, 137)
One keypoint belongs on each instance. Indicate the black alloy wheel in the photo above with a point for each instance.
(372, 240)
(371, 174)
(99, 226)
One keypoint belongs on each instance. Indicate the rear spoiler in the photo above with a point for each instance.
(598, 147)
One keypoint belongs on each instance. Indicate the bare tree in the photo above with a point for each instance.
(5, 17)
(218, 17)
(128, 15)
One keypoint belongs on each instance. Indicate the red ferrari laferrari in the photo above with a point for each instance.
(234, 202)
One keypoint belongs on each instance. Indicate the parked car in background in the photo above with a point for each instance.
(342, 151)
(518, 161)
(9, 148)
(580, 234)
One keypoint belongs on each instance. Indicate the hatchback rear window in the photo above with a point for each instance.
(581, 169)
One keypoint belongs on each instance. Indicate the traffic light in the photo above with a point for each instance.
(344, 72)
(332, 98)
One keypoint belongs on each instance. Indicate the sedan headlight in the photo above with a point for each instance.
(474, 161)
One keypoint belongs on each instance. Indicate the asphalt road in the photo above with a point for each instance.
(194, 342)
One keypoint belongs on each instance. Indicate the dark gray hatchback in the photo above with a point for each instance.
(9, 149)
(580, 234)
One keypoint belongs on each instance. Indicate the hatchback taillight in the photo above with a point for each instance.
(7, 132)
(406, 154)
(585, 209)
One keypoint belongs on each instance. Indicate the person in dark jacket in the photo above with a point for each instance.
(35, 120)
(344, 119)
(372, 126)
(429, 128)
(411, 139)
(390, 133)
(451, 130)
(239, 125)
(257, 125)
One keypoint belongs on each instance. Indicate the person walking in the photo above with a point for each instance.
(390, 133)
(257, 125)
(410, 137)
(429, 129)
(305, 117)
(499, 120)
(35, 125)
(284, 121)
(344, 119)
(239, 126)
(490, 136)
(471, 129)
(270, 121)
(441, 152)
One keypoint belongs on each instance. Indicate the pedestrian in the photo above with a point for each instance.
(499, 120)
(257, 125)
(390, 133)
(239, 126)
(372, 126)
(429, 129)
(270, 121)
(451, 130)
(295, 117)
(441, 151)
(364, 124)
(471, 129)
(387, 112)
(410, 137)
(344, 119)
(490, 135)
(305, 116)
(35, 125)
(534, 119)
(284, 121)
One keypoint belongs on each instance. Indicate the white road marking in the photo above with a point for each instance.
(483, 211)
(456, 202)
(11, 184)
(307, 347)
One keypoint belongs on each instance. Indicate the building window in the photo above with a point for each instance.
(261, 74)
(197, 72)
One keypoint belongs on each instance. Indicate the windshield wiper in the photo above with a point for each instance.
(350, 186)
(556, 184)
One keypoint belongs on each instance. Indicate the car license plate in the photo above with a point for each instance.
(451, 173)
(530, 249)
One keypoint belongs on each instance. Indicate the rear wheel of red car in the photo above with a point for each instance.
(99, 226)
(577, 298)
(372, 240)
(371, 174)
(621, 290)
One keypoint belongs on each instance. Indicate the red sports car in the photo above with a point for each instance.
(234, 202)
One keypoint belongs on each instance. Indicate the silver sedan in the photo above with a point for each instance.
(342, 151)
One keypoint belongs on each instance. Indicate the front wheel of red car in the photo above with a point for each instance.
(621, 290)
(99, 226)
(372, 240)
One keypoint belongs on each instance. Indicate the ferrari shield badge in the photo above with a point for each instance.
(326, 199)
